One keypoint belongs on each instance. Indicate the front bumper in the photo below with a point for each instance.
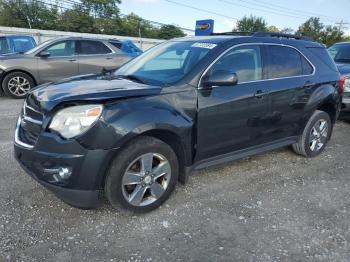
(87, 166)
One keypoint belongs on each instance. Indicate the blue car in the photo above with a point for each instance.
(127, 46)
(14, 44)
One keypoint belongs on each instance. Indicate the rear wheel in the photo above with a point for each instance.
(142, 176)
(315, 136)
(17, 84)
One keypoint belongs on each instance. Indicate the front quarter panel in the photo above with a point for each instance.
(126, 119)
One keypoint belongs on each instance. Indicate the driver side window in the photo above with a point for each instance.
(245, 61)
(65, 48)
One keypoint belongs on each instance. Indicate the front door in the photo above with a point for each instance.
(61, 62)
(231, 118)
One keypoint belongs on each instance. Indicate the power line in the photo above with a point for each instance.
(200, 9)
(268, 10)
(292, 9)
(74, 3)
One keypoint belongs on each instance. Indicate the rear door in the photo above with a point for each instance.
(93, 56)
(289, 79)
(61, 63)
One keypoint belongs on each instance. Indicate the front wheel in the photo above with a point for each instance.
(315, 136)
(17, 84)
(142, 176)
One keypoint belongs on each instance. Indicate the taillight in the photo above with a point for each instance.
(342, 83)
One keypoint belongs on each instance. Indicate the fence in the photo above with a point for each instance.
(44, 35)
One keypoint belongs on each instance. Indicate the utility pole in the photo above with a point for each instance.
(342, 25)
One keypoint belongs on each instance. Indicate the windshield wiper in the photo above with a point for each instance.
(132, 78)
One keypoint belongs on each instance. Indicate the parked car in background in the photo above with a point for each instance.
(127, 46)
(340, 52)
(184, 105)
(57, 59)
(15, 44)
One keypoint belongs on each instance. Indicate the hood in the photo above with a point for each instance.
(89, 88)
(344, 69)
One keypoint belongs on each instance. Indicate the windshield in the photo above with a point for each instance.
(166, 63)
(38, 47)
(340, 53)
(4, 46)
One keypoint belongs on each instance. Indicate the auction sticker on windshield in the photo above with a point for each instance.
(204, 45)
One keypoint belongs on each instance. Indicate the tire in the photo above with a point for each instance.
(20, 78)
(117, 188)
(306, 145)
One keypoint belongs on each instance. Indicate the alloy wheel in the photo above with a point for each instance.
(318, 135)
(146, 179)
(18, 86)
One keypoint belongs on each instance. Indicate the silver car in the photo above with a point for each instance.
(57, 59)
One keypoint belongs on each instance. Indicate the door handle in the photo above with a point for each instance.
(260, 94)
(72, 60)
(109, 58)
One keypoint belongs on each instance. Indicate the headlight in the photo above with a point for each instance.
(73, 121)
(347, 85)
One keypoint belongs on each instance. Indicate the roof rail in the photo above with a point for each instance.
(276, 34)
(234, 33)
(267, 34)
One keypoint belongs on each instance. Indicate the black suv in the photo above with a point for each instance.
(185, 104)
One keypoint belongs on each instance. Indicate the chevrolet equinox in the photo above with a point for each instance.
(183, 105)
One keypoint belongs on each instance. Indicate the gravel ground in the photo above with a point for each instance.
(272, 207)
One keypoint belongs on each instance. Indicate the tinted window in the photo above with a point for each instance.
(65, 48)
(93, 48)
(340, 53)
(307, 68)
(22, 44)
(4, 46)
(117, 44)
(245, 61)
(284, 62)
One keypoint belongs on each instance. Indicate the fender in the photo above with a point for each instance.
(326, 94)
(121, 122)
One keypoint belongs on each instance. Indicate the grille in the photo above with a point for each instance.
(31, 122)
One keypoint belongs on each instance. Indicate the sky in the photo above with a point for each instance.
(281, 13)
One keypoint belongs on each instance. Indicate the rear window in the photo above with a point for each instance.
(324, 56)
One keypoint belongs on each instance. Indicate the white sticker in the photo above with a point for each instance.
(204, 45)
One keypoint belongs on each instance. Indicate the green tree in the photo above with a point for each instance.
(27, 14)
(76, 20)
(319, 32)
(273, 28)
(251, 24)
(169, 32)
(311, 28)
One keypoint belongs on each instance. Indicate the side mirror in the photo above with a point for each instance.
(44, 54)
(220, 78)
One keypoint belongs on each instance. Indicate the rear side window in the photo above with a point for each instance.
(284, 61)
(93, 48)
(116, 44)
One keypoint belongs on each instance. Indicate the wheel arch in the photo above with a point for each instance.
(22, 71)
